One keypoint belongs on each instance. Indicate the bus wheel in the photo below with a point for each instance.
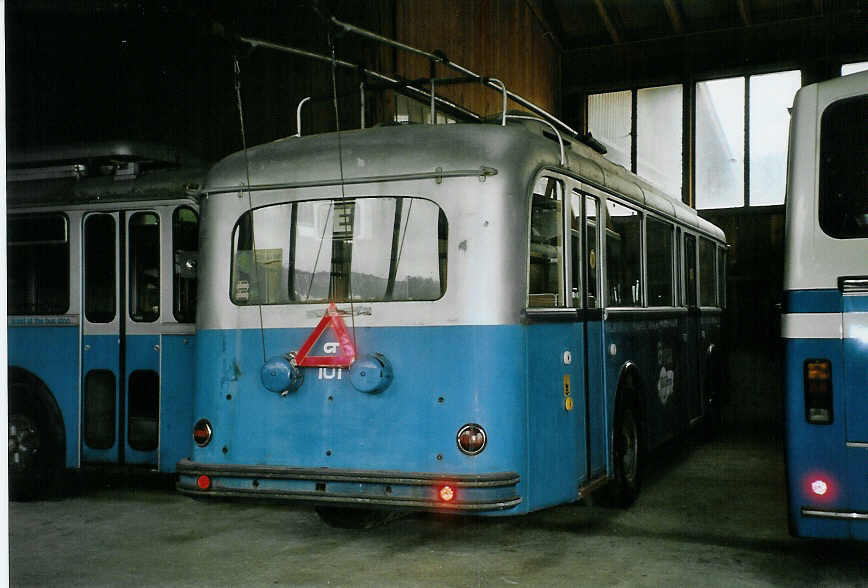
(32, 463)
(355, 518)
(627, 451)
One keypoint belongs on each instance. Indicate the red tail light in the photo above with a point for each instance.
(447, 493)
(203, 482)
(819, 487)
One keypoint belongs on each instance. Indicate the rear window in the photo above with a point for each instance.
(844, 169)
(360, 249)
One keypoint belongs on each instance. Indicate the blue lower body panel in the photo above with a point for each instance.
(52, 354)
(827, 477)
(328, 441)
(176, 399)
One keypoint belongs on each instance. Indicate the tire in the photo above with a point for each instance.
(627, 453)
(355, 518)
(34, 456)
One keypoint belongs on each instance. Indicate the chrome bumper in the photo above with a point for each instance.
(833, 514)
(393, 489)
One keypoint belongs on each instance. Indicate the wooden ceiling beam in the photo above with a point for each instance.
(674, 11)
(744, 11)
(543, 12)
(608, 21)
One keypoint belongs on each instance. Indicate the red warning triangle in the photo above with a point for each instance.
(345, 354)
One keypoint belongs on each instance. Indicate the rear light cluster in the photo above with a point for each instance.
(471, 439)
(818, 391)
(202, 432)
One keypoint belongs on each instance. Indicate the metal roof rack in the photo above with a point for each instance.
(413, 87)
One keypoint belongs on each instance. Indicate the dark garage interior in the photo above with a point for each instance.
(640, 76)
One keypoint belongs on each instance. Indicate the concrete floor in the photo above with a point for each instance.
(713, 515)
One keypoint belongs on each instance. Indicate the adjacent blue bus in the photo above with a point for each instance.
(825, 320)
(101, 285)
(464, 318)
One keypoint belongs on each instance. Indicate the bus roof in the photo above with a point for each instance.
(140, 151)
(386, 152)
(113, 171)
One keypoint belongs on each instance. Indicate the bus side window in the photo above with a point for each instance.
(144, 252)
(843, 206)
(100, 296)
(575, 229)
(679, 268)
(583, 254)
(546, 250)
(623, 255)
(721, 276)
(185, 245)
(592, 256)
(707, 280)
(659, 247)
(690, 269)
(37, 253)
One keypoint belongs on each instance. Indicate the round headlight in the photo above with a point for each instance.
(471, 439)
(202, 432)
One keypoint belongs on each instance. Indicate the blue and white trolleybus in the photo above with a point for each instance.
(825, 320)
(469, 318)
(101, 252)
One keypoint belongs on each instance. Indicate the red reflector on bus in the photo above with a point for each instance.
(819, 487)
(203, 482)
(447, 494)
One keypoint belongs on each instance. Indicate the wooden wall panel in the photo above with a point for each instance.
(496, 38)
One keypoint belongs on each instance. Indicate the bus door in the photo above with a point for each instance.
(592, 333)
(855, 323)
(555, 358)
(690, 333)
(120, 337)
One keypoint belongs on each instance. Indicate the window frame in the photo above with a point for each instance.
(642, 213)
(649, 215)
(564, 286)
(130, 267)
(442, 272)
(715, 302)
(62, 309)
(746, 203)
(686, 281)
(634, 134)
(183, 319)
(116, 264)
(688, 132)
(824, 176)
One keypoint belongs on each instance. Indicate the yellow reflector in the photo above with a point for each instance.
(819, 369)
